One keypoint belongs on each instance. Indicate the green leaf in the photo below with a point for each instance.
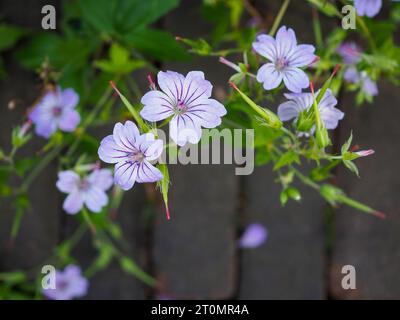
(119, 61)
(293, 193)
(326, 7)
(351, 166)
(9, 35)
(164, 185)
(120, 17)
(130, 267)
(287, 158)
(157, 44)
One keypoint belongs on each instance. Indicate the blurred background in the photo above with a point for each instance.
(196, 254)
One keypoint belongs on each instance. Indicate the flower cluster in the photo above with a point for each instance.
(69, 284)
(351, 55)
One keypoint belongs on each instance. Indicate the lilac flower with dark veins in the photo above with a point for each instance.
(369, 8)
(89, 191)
(131, 153)
(303, 101)
(286, 58)
(185, 99)
(56, 110)
(254, 236)
(69, 284)
(367, 84)
(350, 52)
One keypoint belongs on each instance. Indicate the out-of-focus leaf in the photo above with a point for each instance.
(157, 44)
(9, 35)
(119, 17)
(119, 61)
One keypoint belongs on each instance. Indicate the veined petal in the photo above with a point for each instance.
(154, 150)
(102, 179)
(157, 106)
(203, 116)
(195, 87)
(269, 76)
(148, 173)
(67, 181)
(302, 55)
(131, 132)
(125, 175)
(183, 130)
(110, 152)
(73, 203)
(172, 84)
(266, 46)
(285, 41)
(120, 137)
(295, 79)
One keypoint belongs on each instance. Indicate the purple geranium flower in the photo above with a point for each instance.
(254, 236)
(89, 191)
(187, 101)
(303, 101)
(367, 84)
(286, 58)
(369, 8)
(131, 153)
(56, 110)
(350, 52)
(70, 284)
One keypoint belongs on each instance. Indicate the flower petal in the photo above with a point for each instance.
(183, 130)
(148, 173)
(73, 203)
(69, 120)
(266, 46)
(102, 179)
(154, 150)
(67, 181)
(110, 152)
(120, 137)
(289, 110)
(285, 41)
(331, 117)
(157, 106)
(302, 55)
(295, 79)
(254, 236)
(195, 87)
(172, 84)
(69, 98)
(125, 175)
(269, 76)
(95, 199)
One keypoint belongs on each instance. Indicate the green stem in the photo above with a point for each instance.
(279, 17)
(88, 220)
(89, 120)
(38, 169)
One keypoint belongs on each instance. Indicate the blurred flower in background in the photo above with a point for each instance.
(89, 191)
(70, 284)
(369, 8)
(253, 236)
(56, 110)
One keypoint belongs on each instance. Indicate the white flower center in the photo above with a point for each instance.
(136, 156)
(281, 63)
